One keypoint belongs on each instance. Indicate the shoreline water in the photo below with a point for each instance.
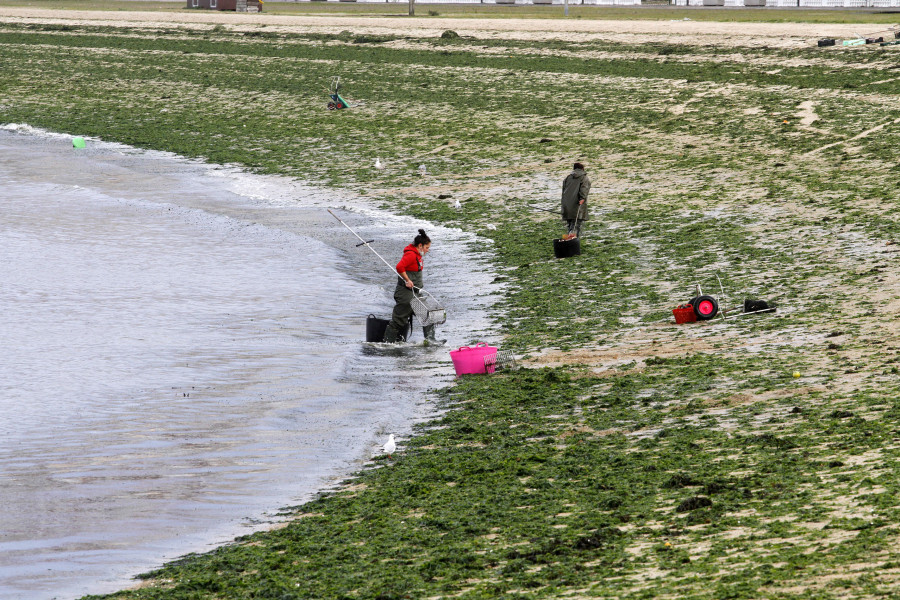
(249, 207)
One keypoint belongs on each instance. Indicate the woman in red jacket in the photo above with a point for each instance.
(409, 270)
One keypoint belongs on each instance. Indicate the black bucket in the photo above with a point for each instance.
(566, 248)
(375, 328)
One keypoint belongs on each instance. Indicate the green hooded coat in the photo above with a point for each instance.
(576, 186)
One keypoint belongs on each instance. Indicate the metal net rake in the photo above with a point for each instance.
(427, 309)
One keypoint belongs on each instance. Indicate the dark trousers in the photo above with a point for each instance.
(574, 226)
(400, 318)
(397, 329)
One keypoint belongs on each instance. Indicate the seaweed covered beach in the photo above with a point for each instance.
(630, 457)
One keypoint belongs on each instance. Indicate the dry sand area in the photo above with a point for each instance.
(773, 35)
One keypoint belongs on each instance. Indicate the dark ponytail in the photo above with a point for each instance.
(422, 238)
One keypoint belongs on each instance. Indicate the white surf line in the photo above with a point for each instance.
(855, 137)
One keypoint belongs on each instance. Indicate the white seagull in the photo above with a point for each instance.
(457, 204)
(378, 164)
(390, 446)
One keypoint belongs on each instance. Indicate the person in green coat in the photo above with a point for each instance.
(575, 189)
(409, 271)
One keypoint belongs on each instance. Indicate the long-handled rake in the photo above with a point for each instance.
(555, 212)
(425, 306)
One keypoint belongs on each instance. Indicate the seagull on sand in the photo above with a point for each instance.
(378, 164)
(457, 205)
(390, 446)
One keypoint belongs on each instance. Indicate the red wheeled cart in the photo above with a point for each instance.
(703, 307)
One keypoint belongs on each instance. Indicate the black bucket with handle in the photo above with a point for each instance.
(566, 248)
(376, 327)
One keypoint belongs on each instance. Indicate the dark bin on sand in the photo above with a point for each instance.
(375, 329)
(566, 248)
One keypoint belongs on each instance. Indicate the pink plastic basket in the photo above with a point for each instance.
(469, 360)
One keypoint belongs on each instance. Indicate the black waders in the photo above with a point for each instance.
(430, 340)
(402, 310)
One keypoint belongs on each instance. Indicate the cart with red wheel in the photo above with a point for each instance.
(704, 307)
(337, 102)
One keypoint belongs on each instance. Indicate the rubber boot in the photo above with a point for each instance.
(430, 340)
(390, 335)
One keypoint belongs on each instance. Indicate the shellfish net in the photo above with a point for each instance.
(501, 360)
(427, 309)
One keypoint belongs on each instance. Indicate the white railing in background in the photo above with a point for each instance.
(707, 3)
(731, 3)
(499, 2)
(797, 3)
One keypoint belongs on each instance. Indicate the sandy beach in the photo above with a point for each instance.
(772, 35)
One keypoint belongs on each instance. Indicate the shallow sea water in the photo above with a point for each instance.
(183, 356)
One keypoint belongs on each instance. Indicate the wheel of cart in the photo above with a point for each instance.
(705, 307)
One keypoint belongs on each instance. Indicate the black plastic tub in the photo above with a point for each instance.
(566, 248)
(375, 328)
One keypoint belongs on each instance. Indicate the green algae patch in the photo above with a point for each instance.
(547, 481)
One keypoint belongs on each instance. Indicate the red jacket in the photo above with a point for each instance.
(411, 261)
